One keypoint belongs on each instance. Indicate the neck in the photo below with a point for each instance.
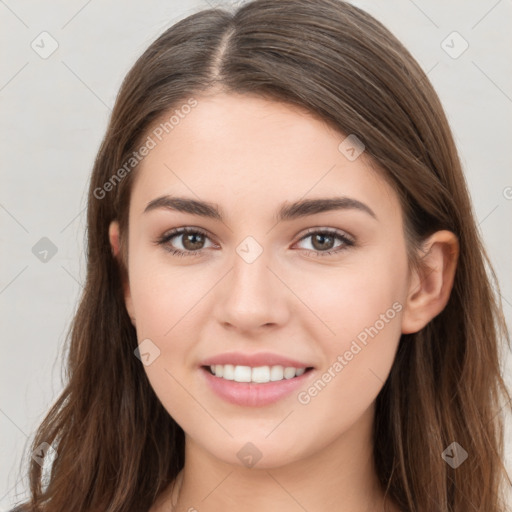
(341, 477)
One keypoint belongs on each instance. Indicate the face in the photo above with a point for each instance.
(322, 286)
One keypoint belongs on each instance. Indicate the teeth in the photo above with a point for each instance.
(260, 374)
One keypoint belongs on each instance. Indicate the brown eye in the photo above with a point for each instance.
(320, 241)
(192, 241)
(323, 242)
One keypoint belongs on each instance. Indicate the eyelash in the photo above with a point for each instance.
(166, 238)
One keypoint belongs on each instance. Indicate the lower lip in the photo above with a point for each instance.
(251, 394)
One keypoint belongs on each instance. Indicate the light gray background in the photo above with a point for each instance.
(54, 113)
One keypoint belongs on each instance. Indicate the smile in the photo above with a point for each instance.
(254, 387)
(259, 374)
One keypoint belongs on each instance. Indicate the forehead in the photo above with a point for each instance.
(248, 149)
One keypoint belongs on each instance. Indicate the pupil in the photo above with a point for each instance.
(190, 239)
(323, 238)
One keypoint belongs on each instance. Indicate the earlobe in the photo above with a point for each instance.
(430, 287)
(113, 234)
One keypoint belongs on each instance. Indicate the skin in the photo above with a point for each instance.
(249, 155)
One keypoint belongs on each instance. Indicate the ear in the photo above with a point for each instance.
(113, 234)
(430, 287)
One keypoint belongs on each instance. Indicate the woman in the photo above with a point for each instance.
(287, 304)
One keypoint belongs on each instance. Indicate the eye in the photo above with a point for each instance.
(192, 241)
(323, 241)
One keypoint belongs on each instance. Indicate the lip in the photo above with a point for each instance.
(254, 360)
(252, 394)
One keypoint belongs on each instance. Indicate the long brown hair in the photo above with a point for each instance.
(117, 447)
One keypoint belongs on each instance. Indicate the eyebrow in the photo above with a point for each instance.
(295, 210)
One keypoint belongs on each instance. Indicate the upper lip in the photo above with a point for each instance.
(254, 360)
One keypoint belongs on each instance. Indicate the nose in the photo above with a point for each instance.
(252, 296)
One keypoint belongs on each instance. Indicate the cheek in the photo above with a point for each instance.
(157, 304)
(365, 318)
(360, 308)
(163, 293)
(163, 300)
(348, 299)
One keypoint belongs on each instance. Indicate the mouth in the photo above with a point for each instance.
(253, 386)
(257, 374)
